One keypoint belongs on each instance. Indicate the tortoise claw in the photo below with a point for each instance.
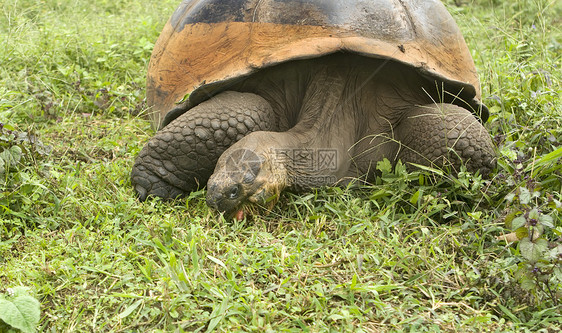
(148, 184)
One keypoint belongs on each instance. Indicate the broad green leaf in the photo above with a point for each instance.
(173, 261)
(476, 215)
(524, 196)
(534, 214)
(130, 309)
(22, 312)
(510, 197)
(414, 199)
(353, 282)
(528, 284)
(518, 222)
(218, 314)
(384, 166)
(550, 158)
(522, 233)
(481, 319)
(356, 229)
(555, 252)
(509, 218)
(9, 127)
(335, 317)
(217, 261)
(547, 221)
(380, 194)
(533, 251)
(558, 273)
(555, 204)
(11, 157)
(508, 313)
(509, 154)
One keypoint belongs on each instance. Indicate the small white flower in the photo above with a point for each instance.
(10, 292)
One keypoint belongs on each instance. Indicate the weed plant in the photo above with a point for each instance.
(417, 251)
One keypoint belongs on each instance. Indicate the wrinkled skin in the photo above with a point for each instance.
(306, 124)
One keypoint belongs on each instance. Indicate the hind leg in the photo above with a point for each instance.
(181, 157)
(444, 136)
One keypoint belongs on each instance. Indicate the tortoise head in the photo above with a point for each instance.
(245, 176)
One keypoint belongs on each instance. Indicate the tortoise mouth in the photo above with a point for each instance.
(249, 209)
(244, 210)
(254, 202)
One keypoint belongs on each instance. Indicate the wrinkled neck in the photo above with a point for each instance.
(328, 109)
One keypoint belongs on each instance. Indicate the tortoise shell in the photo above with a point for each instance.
(208, 44)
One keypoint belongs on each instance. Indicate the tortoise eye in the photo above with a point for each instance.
(234, 192)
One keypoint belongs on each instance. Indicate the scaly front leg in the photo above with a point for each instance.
(181, 157)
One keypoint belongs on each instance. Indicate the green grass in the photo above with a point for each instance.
(407, 254)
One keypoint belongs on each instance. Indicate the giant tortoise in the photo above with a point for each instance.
(251, 97)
